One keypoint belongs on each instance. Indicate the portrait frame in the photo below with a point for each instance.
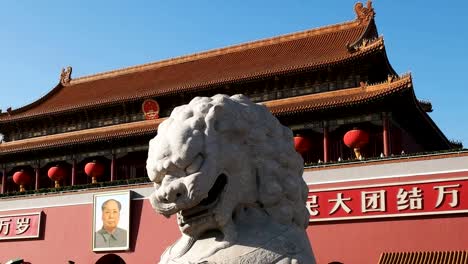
(121, 235)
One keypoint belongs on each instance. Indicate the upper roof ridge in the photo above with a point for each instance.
(220, 51)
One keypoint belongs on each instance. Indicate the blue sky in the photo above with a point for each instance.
(427, 38)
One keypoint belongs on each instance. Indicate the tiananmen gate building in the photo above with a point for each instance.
(385, 183)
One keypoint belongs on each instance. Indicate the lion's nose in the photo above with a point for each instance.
(171, 192)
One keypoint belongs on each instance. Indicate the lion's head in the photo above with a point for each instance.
(215, 156)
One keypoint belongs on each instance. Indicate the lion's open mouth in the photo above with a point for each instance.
(204, 207)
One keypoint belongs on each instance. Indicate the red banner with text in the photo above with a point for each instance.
(20, 226)
(388, 200)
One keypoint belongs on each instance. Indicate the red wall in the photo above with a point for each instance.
(68, 236)
(362, 242)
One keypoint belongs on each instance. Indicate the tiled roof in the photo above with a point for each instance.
(277, 107)
(351, 96)
(305, 50)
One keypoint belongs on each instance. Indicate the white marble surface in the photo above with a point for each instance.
(375, 170)
(229, 171)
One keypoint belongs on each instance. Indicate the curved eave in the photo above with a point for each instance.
(387, 63)
(39, 101)
(371, 33)
(430, 122)
(280, 107)
(339, 98)
(86, 136)
(21, 114)
(372, 26)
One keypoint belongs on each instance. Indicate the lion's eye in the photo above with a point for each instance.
(196, 165)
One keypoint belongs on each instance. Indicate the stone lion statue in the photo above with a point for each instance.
(228, 169)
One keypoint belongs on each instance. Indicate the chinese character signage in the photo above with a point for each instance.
(20, 226)
(388, 200)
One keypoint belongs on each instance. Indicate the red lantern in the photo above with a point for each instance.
(301, 144)
(21, 178)
(56, 173)
(356, 139)
(94, 169)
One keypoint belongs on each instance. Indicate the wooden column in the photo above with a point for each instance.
(385, 135)
(73, 172)
(112, 168)
(4, 180)
(38, 172)
(325, 143)
(127, 171)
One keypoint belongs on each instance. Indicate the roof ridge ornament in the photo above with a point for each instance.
(363, 84)
(65, 75)
(364, 43)
(364, 14)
